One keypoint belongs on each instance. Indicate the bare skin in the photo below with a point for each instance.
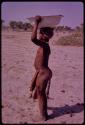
(43, 74)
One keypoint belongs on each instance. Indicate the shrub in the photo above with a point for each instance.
(75, 39)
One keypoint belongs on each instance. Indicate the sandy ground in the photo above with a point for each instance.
(66, 93)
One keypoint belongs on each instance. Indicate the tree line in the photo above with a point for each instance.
(67, 28)
(15, 25)
(20, 25)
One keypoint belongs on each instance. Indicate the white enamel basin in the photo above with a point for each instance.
(47, 21)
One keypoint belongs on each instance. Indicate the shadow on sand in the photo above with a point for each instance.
(59, 111)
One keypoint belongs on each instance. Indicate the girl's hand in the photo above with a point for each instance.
(38, 19)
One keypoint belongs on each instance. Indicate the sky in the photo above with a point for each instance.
(73, 12)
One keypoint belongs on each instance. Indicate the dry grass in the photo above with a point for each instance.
(74, 39)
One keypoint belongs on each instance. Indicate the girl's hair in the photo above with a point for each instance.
(47, 30)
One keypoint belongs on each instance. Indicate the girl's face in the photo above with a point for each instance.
(44, 37)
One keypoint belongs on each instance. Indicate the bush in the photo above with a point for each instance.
(75, 39)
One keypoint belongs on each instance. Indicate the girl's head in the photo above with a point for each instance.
(46, 33)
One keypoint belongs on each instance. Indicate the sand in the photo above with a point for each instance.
(65, 105)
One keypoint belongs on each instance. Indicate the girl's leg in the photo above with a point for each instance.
(33, 84)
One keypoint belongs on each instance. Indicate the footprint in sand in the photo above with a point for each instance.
(64, 122)
(63, 91)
